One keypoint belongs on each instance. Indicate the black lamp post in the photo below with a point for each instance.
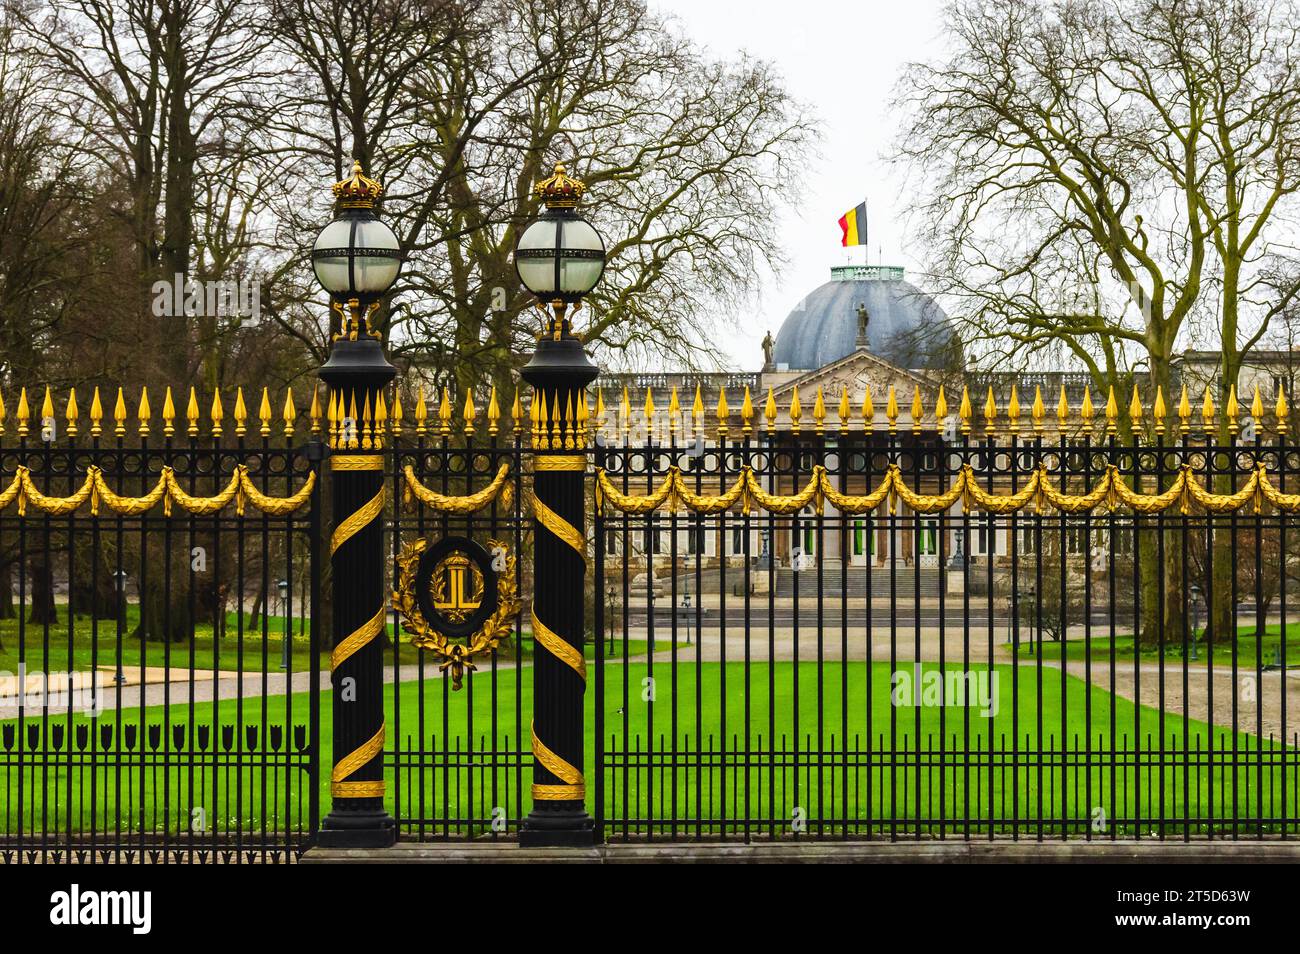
(356, 259)
(559, 258)
(610, 624)
(283, 587)
(1196, 615)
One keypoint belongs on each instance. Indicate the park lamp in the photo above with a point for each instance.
(356, 257)
(560, 257)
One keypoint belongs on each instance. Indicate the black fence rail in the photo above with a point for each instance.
(159, 653)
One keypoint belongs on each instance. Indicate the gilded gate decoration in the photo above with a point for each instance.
(456, 599)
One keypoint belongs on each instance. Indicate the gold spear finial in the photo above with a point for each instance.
(367, 425)
(674, 409)
(868, 410)
(819, 410)
(769, 411)
(397, 414)
(217, 413)
(72, 413)
(25, 413)
(964, 409)
(241, 413)
(1280, 409)
(264, 412)
(444, 413)
(1232, 410)
(289, 413)
(844, 410)
(314, 411)
(746, 413)
(1037, 410)
(648, 409)
(2, 414)
(1135, 409)
(1207, 411)
(990, 412)
(601, 421)
(1185, 412)
(1086, 412)
(169, 413)
(469, 412)
(96, 413)
(421, 411)
(493, 412)
(891, 409)
(796, 412)
(381, 419)
(517, 412)
(625, 411)
(697, 409)
(144, 412)
(119, 413)
(1062, 411)
(1257, 411)
(1158, 412)
(1013, 410)
(940, 408)
(1112, 412)
(723, 412)
(47, 406)
(918, 410)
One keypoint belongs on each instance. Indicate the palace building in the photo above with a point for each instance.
(866, 333)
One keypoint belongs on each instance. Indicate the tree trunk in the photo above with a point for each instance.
(7, 610)
(43, 609)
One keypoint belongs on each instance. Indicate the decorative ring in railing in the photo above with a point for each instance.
(470, 503)
(241, 489)
(1186, 493)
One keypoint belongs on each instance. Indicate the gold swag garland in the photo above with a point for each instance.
(470, 503)
(240, 488)
(1186, 493)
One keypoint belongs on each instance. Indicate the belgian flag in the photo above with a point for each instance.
(854, 226)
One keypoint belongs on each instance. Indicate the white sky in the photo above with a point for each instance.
(843, 58)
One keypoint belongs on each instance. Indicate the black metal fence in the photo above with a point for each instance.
(974, 651)
(159, 676)
(839, 633)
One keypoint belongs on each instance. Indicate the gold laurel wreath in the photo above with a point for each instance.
(457, 658)
(1187, 493)
(240, 488)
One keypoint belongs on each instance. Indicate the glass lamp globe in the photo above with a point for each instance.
(560, 257)
(356, 256)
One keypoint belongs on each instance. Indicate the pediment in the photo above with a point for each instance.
(857, 372)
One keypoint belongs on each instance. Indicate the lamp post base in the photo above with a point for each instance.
(375, 829)
(570, 828)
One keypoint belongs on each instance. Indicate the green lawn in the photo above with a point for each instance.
(900, 763)
(233, 652)
(1100, 647)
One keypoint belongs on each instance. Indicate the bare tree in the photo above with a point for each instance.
(1104, 178)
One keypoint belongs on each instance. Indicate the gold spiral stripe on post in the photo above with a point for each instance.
(557, 647)
(574, 786)
(357, 462)
(553, 522)
(353, 761)
(356, 521)
(560, 462)
(358, 638)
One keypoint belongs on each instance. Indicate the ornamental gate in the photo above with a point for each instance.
(554, 620)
